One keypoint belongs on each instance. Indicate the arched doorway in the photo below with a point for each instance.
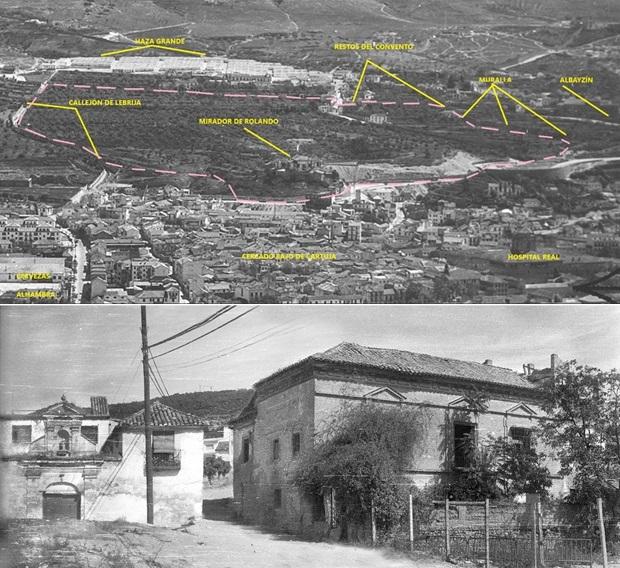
(61, 501)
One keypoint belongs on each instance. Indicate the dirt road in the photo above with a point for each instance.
(39, 544)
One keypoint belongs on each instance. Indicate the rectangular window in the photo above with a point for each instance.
(91, 433)
(163, 443)
(277, 498)
(276, 449)
(246, 450)
(464, 443)
(318, 507)
(296, 443)
(22, 434)
(521, 436)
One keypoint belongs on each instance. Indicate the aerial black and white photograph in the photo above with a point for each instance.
(309, 152)
(278, 436)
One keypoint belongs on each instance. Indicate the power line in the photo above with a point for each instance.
(161, 379)
(195, 326)
(207, 333)
(231, 348)
(153, 378)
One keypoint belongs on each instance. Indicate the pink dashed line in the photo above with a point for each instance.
(35, 133)
(292, 97)
(347, 105)
(314, 98)
(91, 152)
(370, 102)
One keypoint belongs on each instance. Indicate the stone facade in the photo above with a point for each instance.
(306, 397)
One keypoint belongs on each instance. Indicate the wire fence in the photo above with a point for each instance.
(524, 544)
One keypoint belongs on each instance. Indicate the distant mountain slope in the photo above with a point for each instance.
(218, 406)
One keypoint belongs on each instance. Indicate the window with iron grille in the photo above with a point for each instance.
(276, 449)
(521, 436)
(277, 498)
(163, 445)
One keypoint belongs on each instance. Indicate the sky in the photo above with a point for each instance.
(81, 351)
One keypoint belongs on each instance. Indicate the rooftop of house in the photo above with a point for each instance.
(165, 416)
(415, 364)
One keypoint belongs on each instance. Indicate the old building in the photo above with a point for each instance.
(293, 406)
(64, 461)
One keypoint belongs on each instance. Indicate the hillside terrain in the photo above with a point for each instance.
(217, 405)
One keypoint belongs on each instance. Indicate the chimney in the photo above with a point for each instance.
(528, 368)
(555, 361)
(488, 362)
(99, 406)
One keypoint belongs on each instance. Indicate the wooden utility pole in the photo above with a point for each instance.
(601, 525)
(411, 521)
(487, 547)
(446, 527)
(147, 419)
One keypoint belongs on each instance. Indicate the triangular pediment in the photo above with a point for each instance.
(460, 402)
(522, 408)
(386, 394)
(63, 409)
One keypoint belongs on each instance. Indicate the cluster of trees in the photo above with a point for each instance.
(215, 466)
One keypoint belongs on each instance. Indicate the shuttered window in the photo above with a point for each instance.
(22, 434)
(163, 442)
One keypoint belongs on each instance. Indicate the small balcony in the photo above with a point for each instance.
(168, 461)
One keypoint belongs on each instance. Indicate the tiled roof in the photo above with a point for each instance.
(420, 364)
(162, 415)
